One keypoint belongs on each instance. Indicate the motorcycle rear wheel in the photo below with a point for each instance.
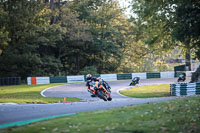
(101, 96)
(109, 99)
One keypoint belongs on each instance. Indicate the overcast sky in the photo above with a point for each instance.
(125, 3)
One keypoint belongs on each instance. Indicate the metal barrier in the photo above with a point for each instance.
(106, 77)
(124, 76)
(153, 75)
(57, 79)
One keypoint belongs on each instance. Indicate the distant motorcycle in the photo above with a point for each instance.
(102, 90)
(181, 77)
(135, 81)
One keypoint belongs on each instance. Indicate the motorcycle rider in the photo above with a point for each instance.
(91, 88)
(89, 79)
(135, 81)
(182, 77)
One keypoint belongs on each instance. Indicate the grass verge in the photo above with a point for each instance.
(148, 91)
(29, 94)
(181, 115)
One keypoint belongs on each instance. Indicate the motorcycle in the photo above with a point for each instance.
(135, 81)
(101, 90)
(181, 77)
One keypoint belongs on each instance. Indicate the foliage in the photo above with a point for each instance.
(104, 18)
(74, 46)
(188, 22)
(4, 38)
(89, 69)
(169, 24)
(30, 38)
(57, 38)
(65, 38)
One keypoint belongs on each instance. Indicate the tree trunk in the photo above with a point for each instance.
(77, 63)
(53, 19)
(187, 55)
(187, 60)
(51, 4)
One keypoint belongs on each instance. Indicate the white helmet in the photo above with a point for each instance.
(88, 76)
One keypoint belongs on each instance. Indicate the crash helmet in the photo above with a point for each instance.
(88, 76)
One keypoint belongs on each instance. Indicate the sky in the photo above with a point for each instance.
(125, 3)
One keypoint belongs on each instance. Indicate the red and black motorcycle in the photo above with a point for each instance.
(100, 89)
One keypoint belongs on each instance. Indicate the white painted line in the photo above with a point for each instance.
(8, 104)
(118, 91)
(42, 92)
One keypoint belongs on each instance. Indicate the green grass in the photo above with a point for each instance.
(181, 115)
(29, 94)
(148, 91)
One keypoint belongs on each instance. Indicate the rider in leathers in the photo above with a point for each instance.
(89, 79)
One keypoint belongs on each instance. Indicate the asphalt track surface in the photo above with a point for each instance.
(10, 112)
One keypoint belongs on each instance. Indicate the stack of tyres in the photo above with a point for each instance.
(198, 88)
(185, 89)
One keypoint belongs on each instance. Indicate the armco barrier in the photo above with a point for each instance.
(153, 75)
(29, 80)
(58, 79)
(185, 89)
(166, 74)
(189, 73)
(42, 80)
(79, 78)
(38, 80)
(124, 76)
(109, 77)
(141, 75)
(106, 77)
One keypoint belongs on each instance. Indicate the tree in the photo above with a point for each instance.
(73, 47)
(161, 20)
(104, 21)
(187, 27)
(4, 38)
(29, 31)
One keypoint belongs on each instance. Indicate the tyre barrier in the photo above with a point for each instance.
(124, 76)
(38, 80)
(185, 89)
(106, 77)
(78, 78)
(58, 79)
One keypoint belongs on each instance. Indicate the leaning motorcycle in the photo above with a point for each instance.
(135, 81)
(102, 90)
(181, 77)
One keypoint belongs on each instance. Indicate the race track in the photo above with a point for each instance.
(20, 112)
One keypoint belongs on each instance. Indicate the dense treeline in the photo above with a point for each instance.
(56, 37)
(41, 38)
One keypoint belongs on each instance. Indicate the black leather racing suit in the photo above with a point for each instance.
(90, 80)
